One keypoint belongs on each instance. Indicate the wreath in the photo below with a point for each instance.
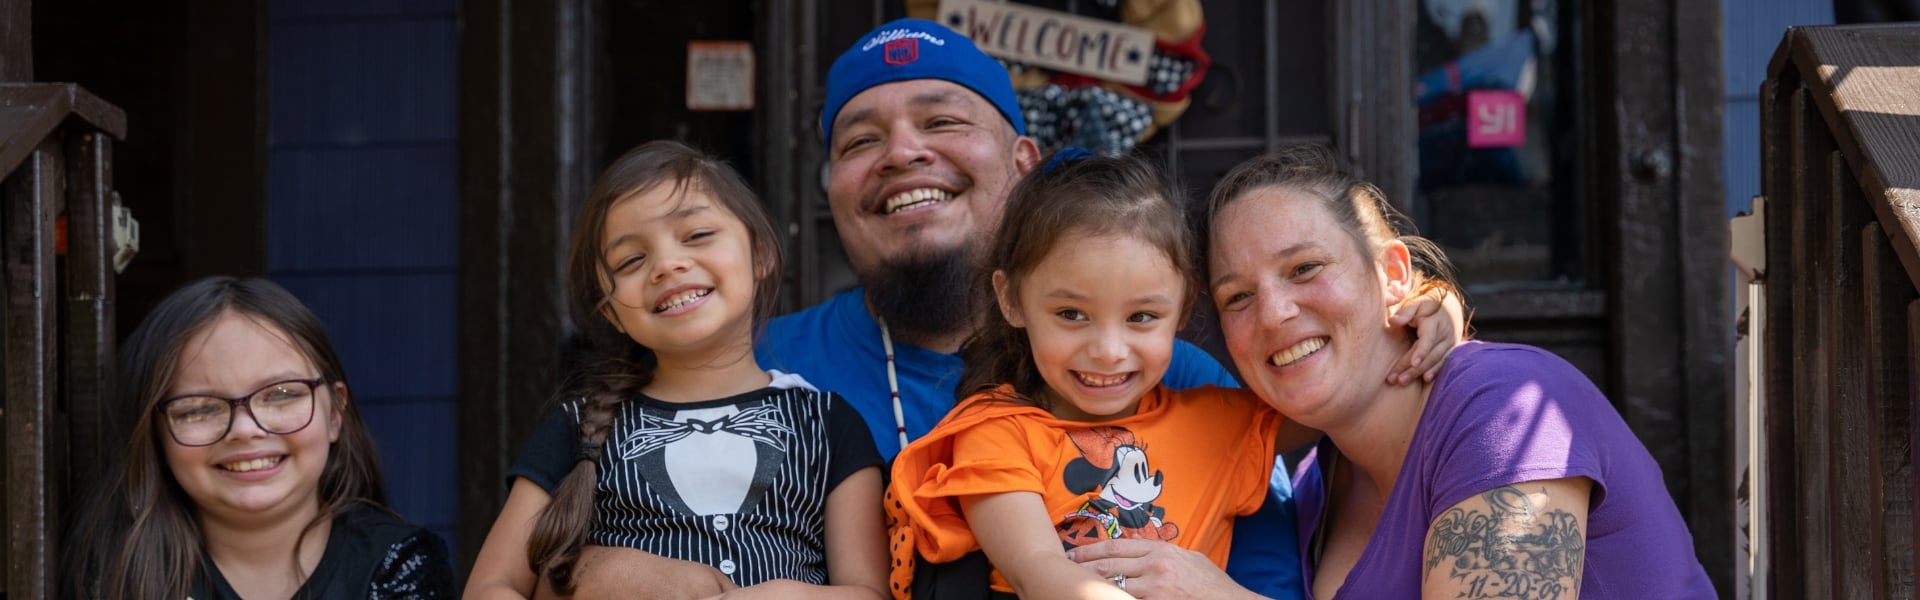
(1069, 109)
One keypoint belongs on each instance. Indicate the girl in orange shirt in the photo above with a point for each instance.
(1065, 435)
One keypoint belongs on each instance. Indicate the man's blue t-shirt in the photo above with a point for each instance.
(836, 346)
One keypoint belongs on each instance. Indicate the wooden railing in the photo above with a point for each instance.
(58, 224)
(1839, 334)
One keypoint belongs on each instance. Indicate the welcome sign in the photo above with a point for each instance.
(1053, 39)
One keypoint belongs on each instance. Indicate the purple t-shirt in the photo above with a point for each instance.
(1501, 414)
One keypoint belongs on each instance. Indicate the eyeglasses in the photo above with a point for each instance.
(280, 408)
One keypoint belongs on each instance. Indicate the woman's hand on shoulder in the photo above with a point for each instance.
(1526, 540)
(1438, 318)
(1155, 569)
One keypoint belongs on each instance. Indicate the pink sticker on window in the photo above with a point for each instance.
(1496, 119)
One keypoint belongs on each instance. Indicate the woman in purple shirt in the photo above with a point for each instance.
(1509, 475)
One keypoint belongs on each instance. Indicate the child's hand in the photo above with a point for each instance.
(1438, 319)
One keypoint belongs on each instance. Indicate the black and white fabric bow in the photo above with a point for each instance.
(759, 424)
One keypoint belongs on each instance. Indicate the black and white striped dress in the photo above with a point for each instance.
(739, 483)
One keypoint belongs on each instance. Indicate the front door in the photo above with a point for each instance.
(1566, 155)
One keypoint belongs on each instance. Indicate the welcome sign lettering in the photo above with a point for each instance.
(1053, 39)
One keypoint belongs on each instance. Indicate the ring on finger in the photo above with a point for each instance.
(1120, 580)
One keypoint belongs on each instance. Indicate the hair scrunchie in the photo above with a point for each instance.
(1066, 155)
(589, 452)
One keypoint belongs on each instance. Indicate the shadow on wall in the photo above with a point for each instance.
(1875, 11)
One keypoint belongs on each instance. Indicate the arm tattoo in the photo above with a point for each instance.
(1517, 551)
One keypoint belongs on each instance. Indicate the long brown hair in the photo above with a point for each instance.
(140, 538)
(1358, 206)
(1124, 195)
(617, 366)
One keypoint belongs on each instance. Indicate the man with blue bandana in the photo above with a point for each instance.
(924, 141)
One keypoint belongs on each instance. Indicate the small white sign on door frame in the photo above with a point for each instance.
(1053, 39)
(719, 75)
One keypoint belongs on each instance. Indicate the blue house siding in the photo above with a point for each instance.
(362, 80)
(384, 207)
(362, 182)
(395, 333)
(1753, 29)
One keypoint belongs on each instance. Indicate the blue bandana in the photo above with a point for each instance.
(917, 49)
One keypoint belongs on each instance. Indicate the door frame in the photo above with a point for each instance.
(1654, 217)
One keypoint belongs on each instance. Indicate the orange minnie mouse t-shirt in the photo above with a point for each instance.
(1178, 470)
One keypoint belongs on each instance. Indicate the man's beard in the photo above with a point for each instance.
(922, 296)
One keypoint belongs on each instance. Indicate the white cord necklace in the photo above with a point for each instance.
(893, 382)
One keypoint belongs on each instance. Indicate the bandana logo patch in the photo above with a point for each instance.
(901, 51)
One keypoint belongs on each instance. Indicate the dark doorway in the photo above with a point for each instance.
(191, 77)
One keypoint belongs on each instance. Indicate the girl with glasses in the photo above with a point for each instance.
(248, 472)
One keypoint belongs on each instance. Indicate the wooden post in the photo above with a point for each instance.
(1888, 293)
(1852, 494)
(1782, 479)
(34, 196)
(1813, 407)
(90, 311)
(1373, 78)
(1849, 126)
(1662, 255)
(1912, 563)
(525, 165)
(16, 40)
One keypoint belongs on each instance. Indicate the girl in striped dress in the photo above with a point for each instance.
(670, 438)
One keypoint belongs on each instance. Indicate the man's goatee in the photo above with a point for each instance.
(922, 297)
